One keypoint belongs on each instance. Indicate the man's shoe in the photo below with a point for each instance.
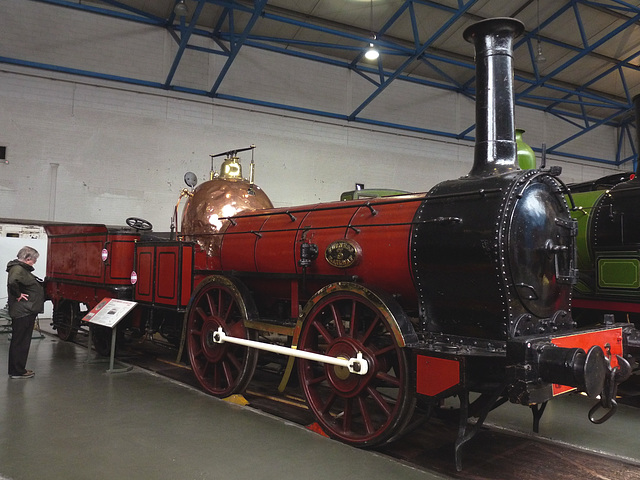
(27, 374)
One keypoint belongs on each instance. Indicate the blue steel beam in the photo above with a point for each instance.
(237, 44)
(618, 5)
(462, 8)
(587, 49)
(579, 93)
(534, 35)
(362, 70)
(240, 8)
(382, 31)
(617, 65)
(583, 131)
(135, 15)
(80, 72)
(400, 50)
(564, 115)
(281, 106)
(186, 32)
(626, 137)
(390, 47)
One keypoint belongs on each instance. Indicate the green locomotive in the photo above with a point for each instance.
(608, 253)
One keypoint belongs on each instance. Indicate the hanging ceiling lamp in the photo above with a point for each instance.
(181, 9)
(540, 58)
(371, 53)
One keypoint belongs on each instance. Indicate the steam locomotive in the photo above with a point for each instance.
(608, 247)
(382, 303)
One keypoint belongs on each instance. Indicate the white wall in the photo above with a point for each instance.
(122, 150)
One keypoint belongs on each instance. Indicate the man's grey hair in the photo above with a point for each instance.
(28, 253)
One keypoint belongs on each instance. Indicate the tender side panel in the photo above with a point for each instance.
(64, 245)
(77, 258)
(167, 268)
(186, 282)
(609, 340)
(144, 271)
(75, 253)
(165, 273)
(120, 261)
(618, 275)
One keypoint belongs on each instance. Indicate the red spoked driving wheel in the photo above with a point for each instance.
(221, 368)
(362, 410)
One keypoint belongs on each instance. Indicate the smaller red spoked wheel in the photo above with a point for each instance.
(66, 319)
(362, 410)
(102, 338)
(221, 368)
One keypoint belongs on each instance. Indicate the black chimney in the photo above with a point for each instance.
(495, 149)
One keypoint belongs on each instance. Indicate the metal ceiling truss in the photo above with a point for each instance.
(229, 35)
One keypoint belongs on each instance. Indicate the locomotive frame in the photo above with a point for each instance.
(384, 303)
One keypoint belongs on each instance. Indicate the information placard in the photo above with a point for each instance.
(109, 312)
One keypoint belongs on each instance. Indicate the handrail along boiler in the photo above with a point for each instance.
(384, 302)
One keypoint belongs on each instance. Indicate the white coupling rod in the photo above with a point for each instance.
(357, 365)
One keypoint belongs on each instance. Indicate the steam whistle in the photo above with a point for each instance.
(212, 173)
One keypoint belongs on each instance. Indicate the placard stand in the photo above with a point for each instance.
(108, 313)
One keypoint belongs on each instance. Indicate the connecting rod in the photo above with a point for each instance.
(357, 364)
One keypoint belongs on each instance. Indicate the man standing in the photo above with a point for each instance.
(26, 300)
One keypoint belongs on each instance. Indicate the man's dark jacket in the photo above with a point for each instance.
(21, 280)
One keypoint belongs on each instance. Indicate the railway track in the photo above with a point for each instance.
(495, 453)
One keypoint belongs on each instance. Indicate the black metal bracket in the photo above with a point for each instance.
(537, 410)
(485, 403)
(373, 211)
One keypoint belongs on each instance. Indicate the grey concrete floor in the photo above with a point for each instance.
(75, 421)
(565, 421)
